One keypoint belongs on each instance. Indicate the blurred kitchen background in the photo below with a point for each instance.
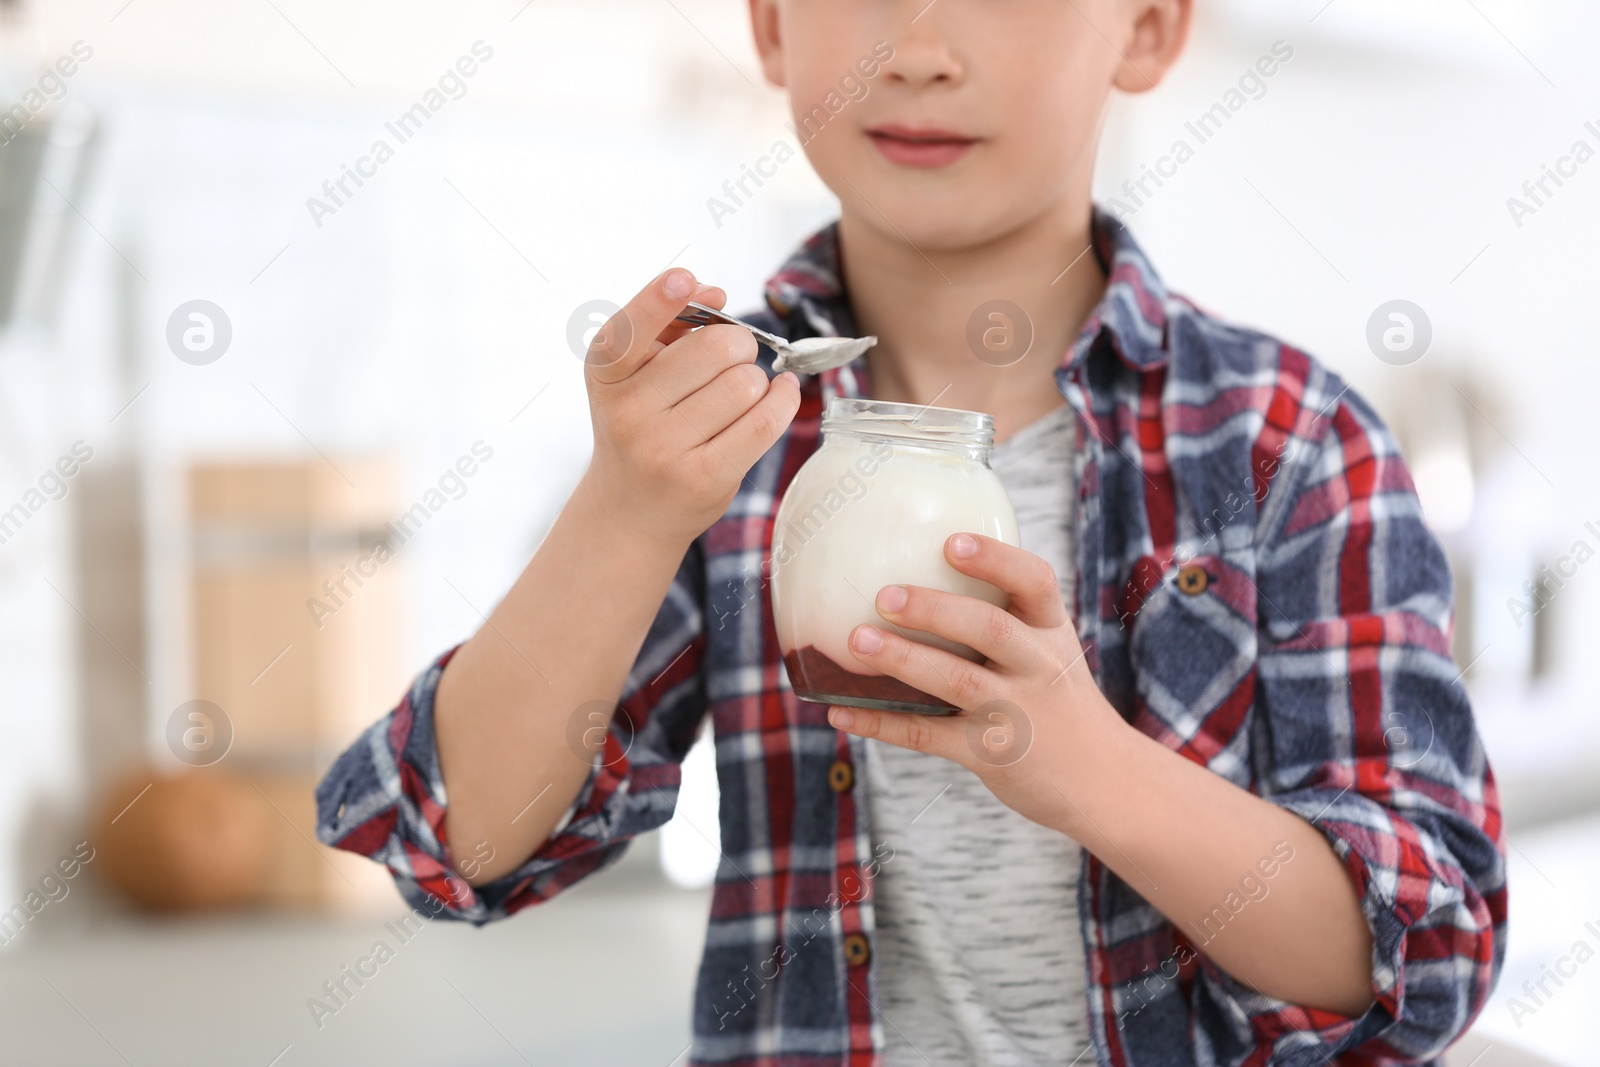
(219, 409)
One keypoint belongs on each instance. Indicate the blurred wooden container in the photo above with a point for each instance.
(296, 604)
(208, 838)
(186, 842)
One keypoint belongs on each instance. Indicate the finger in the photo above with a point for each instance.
(628, 339)
(758, 429)
(936, 735)
(978, 624)
(936, 672)
(1031, 582)
(695, 360)
(722, 401)
(710, 296)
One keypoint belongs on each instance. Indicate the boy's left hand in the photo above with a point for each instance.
(1037, 731)
(1031, 711)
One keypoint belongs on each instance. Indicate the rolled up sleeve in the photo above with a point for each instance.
(385, 798)
(1369, 737)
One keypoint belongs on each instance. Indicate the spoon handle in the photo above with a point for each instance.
(700, 315)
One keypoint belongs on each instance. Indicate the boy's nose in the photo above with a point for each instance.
(922, 53)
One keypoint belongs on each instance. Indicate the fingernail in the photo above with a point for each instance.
(790, 376)
(892, 598)
(678, 284)
(866, 640)
(963, 545)
(841, 718)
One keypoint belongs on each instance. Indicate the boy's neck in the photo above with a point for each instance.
(919, 306)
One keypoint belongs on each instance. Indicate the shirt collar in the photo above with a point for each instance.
(809, 295)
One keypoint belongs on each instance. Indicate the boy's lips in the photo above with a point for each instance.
(920, 147)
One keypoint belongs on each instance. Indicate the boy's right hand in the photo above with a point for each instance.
(680, 415)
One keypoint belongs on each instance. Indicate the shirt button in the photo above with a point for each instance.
(1193, 579)
(841, 777)
(857, 950)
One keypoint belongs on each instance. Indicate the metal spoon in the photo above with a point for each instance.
(809, 355)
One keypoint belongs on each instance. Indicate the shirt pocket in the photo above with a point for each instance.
(1193, 647)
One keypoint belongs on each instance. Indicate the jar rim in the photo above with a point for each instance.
(912, 422)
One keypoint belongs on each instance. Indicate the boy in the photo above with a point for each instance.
(1191, 838)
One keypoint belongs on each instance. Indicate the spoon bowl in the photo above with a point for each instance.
(813, 355)
(808, 355)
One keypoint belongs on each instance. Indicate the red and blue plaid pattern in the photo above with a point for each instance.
(1313, 669)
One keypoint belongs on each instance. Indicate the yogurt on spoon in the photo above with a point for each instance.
(808, 355)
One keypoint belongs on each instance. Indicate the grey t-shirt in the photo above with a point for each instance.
(979, 951)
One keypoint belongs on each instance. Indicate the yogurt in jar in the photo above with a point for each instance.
(873, 507)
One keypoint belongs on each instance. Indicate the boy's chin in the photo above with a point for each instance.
(943, 224)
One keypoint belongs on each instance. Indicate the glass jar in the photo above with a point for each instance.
(872, 507)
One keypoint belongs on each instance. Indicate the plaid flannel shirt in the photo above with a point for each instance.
(1312, 668)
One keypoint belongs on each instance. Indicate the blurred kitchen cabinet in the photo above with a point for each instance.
(296, 616)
